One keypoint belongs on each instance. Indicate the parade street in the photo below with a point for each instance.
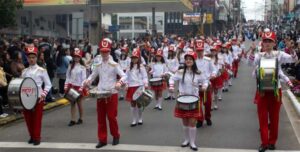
(235, 127)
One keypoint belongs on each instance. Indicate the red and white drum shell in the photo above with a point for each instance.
(188, 107)
(23, 93)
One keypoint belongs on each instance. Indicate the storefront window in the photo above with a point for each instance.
(140, 23)
(126, 35)
(158, 21)
(125, 23)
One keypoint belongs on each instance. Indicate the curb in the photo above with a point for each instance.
(294, 100)
(15, 117)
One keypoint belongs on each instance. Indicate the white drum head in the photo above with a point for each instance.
(28, 93)
(155, 79)
(187, 99)
(268, 63)
(137, 93)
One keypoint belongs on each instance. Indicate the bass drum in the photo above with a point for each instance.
(23, 93)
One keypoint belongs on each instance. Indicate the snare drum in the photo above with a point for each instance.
(99, 95)
(187, 102)
(267, 68)
(156, 82)
(23, 93)
(72, 95)
(142, 97)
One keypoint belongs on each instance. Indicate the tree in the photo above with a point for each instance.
(8, 9)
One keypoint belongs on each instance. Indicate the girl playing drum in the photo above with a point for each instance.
(216, 83)
(189, 80)
(124, 62)
(158, 70)
(172, 65)
(136, 77)
(75, 75)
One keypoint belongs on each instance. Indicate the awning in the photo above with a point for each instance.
(110, 6)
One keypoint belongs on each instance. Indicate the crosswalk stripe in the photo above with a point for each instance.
(120, 147)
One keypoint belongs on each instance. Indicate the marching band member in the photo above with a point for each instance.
(158, 70)
(221, 62)
(136, 77)
(236, 51)
(180, 54)
(189, 79)
(75, 75)
(33, 118)
(228, 62)
(124, 62)
(206, 66)
(107, 70)
(217, 82)
(165, 48)
(269, 101)
(172, 65)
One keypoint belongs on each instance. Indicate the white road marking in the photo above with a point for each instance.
(120, 147)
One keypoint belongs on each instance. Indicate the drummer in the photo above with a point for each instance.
(33, 118)
(124, 62)
(75, 75)
(172, 65)
(268, 104)
(158, 70)
(107, 70)
(189, 79)
(205, 64)
(136, 77)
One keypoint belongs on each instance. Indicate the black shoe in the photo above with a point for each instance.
(208, 122)
(262, 149)
(30, 141)
(194, 148)
(35, 143)
(173, 98)
(100, 144)
(155, 108)
(140, 123)
(72, 123)
(79, 122)
(271, 147)
(133, 125)
(121, 98)
(115, 141)
(168, 98)
(159, 108)
(199, 124)
(185, 145)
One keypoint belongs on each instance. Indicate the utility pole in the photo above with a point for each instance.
(95, 20)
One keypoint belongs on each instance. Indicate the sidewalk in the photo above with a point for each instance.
(17, 116)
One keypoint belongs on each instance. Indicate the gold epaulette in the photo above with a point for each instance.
(113, 64)
(180, 71)
(207, 58)
(41, 69)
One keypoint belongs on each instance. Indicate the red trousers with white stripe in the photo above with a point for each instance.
(207, 103)
(107, 107)
(33, 120)
(268, 108)
(235, 67)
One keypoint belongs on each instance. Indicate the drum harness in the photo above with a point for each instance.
(260, 76)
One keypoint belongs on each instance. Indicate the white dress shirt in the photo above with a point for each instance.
(40, 76)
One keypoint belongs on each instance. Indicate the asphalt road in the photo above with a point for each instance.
(235, 127)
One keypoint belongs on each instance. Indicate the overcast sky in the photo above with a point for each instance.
(253, 9)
